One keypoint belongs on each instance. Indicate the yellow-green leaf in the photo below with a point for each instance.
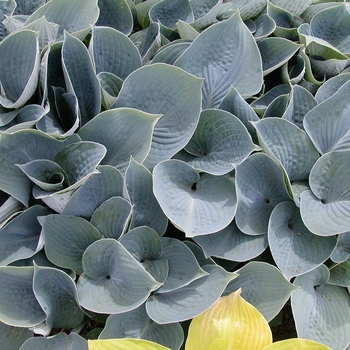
(297, 344)
(124, 344)
(230, 323)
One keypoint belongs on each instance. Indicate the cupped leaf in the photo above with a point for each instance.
(112, 217)
(113, 281)
(107, 183)
(150, 41)
(341, 252)
(232, 244)
(294, 248)
(124, 344)
(325, 209)
(205, 13)
(151, 89)
(296, 7)
(59, 341)
(70, 16)
(291, 146)
(231, 43)
(196, 204)
(113, 52)
(331, 86)
(327, 124)
(173, 306)
(8, 209)
(19, 306)
(296, 344)
(66, 238)
(20, 237)
(340, 275)
(124, 132)
(257, 279)
(19, 78)
(80, 77)
(247, 8)
(56, 293)
(146, 210)
(260, 187)
(230, 322)
(220, 143)
(115, 14)
(169, 53)
(277, 107)
(110, 87)
(265, 26)
(186, 31)
(321, 311)
(137, 324)
(13, 337)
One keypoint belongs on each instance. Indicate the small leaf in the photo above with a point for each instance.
(230, 322)
(124, 344)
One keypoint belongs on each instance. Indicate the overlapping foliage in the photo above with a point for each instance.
(158, 154)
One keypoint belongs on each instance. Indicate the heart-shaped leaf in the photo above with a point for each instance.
(196, 204)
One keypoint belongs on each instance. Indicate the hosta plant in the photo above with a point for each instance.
(156, 156)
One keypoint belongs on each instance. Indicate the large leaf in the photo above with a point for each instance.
(66, 238)
(20, 237)
(113, 52)
(220, 143)
(19, 306)
(260, 187)
(294, 248)
(321, 311)
(173, 307)
(225, 54)
(230, 323)
(113, 281)
(124, 132)
(146, 210)
(196, 204)
(331, 86)
(327, 124)
(325, 209)
(56, 293)
(13, 337)
(19, 77)
(257, 279)
(80, 77)
(152, 89)
(137, 324)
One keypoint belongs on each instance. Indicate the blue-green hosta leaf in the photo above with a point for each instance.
(66, 238)
(27, 7)
(144, 244)
(260, 187)
(341, 252)
(219, 143)
(265, 26)
(225, 54)
(173, 306)
(331, 86)
(113, 52)
(146, 210)
(19, 307)
(20, 237)
(275, 52)
(294, 248)
(196, 204)
(80, 77)
(7, 8)
(325, 209)
(112, 217)
(294, 72)
(296, 7)
(340, 275)
(115, 14)
(37, 145)
(257, 279)
(169, 53)
(150, 42)
(247, 8)
(277, 107)
(186, 31)
(205, 13)
(93, 192)
(168, 12)
(110, 87)
(234, 103)
(13, 337)
(232, 244)
(320, 310)
(124, 132)
(137, 324)
(113, 281)
(60, 341)
(72, 16)
(8, 209)
(151, 89)
(288, 144)
(57, 294)
(6, 117)
(327, 68)
(327, 124)
(19, 78)
(301, 102)
(12, 23)
(183, 265)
